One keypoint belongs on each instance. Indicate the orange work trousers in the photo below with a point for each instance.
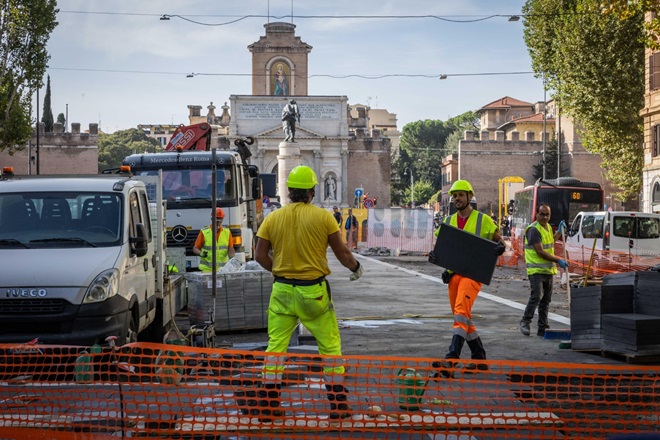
(463, 293)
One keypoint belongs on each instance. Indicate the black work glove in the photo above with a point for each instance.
(446, 276)
(499, 249)
(432, 258)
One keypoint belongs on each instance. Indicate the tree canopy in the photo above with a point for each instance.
(594, 65)
(422, 147)
(25, 28)
(113, 148)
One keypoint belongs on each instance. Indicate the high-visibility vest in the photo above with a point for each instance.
(534, 262)
(221, 252)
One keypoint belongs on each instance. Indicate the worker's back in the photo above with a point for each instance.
(298, 234)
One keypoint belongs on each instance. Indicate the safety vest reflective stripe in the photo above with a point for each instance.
(477, 229)
(545, 246)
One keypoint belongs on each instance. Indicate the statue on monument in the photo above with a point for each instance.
(331, 188)
(290, 114)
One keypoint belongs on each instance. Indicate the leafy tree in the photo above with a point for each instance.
(61, 119)
(625, 9)
(605, 94)
(459, 124)
(25, 28)
(47, 117)
(113, 148)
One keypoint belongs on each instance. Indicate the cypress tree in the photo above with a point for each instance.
(47, 117)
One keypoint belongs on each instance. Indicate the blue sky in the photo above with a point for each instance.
(115, 62)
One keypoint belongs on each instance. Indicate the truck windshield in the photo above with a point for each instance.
(60, 220)
(193, 188)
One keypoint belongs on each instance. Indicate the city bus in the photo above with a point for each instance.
(566, 197)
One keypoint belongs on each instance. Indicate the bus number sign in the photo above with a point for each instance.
(576, 196)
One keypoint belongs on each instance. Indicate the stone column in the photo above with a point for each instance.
(344, 178)
(287, 159)
(317, 169)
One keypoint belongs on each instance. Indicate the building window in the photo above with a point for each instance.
(654, 71)
(655, 140)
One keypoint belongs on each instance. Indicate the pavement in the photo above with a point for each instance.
(400, 308)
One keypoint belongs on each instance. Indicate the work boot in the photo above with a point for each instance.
(454, 352)
(337, 395)
(524, 328)
(478, 352)
(541, 331)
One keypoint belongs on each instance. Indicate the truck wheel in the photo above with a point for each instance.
(131, 330)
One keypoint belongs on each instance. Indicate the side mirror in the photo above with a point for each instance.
(139, 242)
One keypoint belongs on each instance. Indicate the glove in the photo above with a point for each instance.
(357, 273)
(204, 254)
(432, 258)
(562, 227)
(563, 264)
(446, 276)
(499, 249)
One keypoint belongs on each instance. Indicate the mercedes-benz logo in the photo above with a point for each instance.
(179, 233)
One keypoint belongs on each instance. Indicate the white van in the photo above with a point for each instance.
(623, 231)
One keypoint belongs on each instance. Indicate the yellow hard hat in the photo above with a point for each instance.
(461, 185)
(302, 177)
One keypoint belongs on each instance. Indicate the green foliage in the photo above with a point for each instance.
(15, 127)
(626, 9)
(25, 28)
(61, 119)
(113, 148)
(423, 193)
(423, 146)
(605, 94)
(47, 117)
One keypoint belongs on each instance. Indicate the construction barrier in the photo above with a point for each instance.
(166, 391)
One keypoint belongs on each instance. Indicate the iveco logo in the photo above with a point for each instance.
(179, 233)
(26, 293)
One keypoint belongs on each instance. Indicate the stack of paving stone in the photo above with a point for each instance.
(241, 301)
(635, 332)
(588, 305)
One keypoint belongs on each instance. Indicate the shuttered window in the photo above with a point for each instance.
(655, 140)
(654, 71)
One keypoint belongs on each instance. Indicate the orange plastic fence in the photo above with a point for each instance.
(579, 259)
(166, 391)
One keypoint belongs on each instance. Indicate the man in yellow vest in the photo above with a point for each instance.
(298, 235)
(540, 260)
(463, 291)
(224, 244)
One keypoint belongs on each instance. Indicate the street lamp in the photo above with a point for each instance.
(412, 186)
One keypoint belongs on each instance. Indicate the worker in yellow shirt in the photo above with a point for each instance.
(224, 244)
(298, 235)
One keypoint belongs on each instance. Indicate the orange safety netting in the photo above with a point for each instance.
(166, 391)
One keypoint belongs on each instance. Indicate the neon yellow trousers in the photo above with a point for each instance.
(311, 305)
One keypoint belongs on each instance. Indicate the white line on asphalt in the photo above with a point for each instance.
(482, 294)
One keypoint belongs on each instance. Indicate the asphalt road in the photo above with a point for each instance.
(400, 308)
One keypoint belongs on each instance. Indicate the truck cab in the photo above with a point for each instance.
(79, 259)
(187, 188)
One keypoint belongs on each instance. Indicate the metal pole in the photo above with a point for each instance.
(37, 130)
(412, 190)
(545, 113)
(559, 142)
